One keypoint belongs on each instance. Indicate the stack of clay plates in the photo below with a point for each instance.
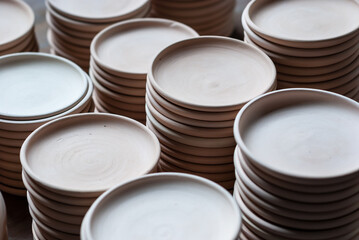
(17, 28)
(120, 78)
(73, 24)
(195, 89)
(163, 206)
(67, 163)
(211, 17)
(36, 88)
(314, 44)
(297, 166)
(3, 222)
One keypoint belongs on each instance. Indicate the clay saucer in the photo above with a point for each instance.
(30, 125)
(19, 19)
(276, 22)
(296, 52)
(97, 224)
(100, 132)
(23, 101)
(206, 90)
(139, 41)
(318, 168)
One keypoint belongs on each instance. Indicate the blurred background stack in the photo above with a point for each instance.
(73, 24)
(17, 28)
(211, 17)
(314, 44)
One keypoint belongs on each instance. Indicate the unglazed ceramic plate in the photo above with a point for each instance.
(164, 206)
(90, 153)
(211, 73)
(304, 135)
(136, 42)
(18, 20)
(39, 85)
(308, 24)
(31, 125)
(98, 12)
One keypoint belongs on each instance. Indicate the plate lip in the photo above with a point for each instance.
(86, 228)
(31, 13)
(134, 24)
(198, 40)
(27, 56)
(100, 19)
(58, 188)
(256, 29)
(248, 154)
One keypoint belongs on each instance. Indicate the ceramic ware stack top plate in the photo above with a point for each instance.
(3, 221)
(214, 17)
(73, 25)
(69, 162)
(314, 44)
(296, 165)
(120, 79)
(17, 29)
(195, 89)
(36, 88)
(163, 206)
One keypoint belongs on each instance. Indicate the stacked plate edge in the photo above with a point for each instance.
(314, 44)
(73, 24)
(195, 88)
(69, 162)
(17, 32)
(120, 79)
(213, 17)
(39, 88)
(296, 166)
